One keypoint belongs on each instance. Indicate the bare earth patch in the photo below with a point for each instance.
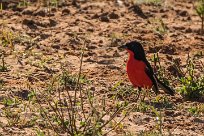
(38, 45)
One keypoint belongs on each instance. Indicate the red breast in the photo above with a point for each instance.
(136, 72)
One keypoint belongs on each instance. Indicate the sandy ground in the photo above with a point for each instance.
(46, 43)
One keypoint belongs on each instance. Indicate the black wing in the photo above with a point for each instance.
(156, 81)
(166, 89)
(150, 73)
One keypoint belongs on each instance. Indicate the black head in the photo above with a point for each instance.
(136, 48)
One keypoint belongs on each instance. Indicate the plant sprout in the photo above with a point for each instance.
(200, 11)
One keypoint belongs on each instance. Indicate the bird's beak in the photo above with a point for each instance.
(122, 47)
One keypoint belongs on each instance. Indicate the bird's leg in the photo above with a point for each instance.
(138, 96)
(145, 92)
(149, 96)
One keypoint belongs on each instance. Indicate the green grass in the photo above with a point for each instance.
(197, 110)
(155, 2)
(192, 85)
(3, 67)
(200, 11)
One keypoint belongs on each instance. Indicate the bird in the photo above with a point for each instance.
(139, 70)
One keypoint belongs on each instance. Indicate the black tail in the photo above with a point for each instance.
(166, 89)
